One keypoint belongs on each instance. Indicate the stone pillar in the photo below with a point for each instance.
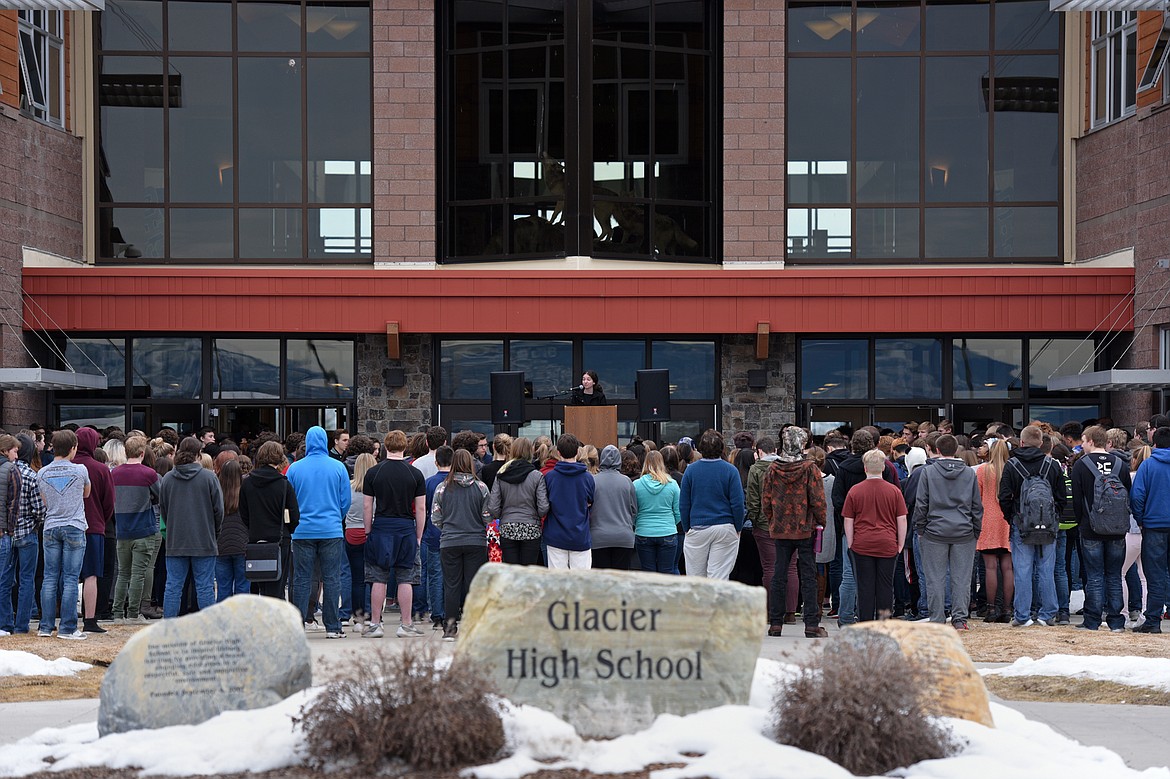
(760, 412)
(381, 408)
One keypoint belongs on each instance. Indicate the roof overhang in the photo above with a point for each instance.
(55, 5)
(1131, 380)
(1106, 5)
(45, 379)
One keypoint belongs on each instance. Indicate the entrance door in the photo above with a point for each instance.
(244, 421)
(298, 419)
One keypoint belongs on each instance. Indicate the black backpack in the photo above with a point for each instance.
(1109, 515)
(1036, 519)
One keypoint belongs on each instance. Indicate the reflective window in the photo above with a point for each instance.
(133, 233)
(201, 132)
(960, 26)
(956, 129)
(908, 368)
(465, 368)
(1058, 415)
(245, 368)
(339, 154)
(818, 130)
(1026, 25)
(1057, 357)
(691, 365)
(1113, 65)
(887, 130)
(888, 26)
(1027, 104)
(548, 365)
(132, 25)
(887, 233)
(319, 368)
(330, 27)
(955, 233)
(834, 368)
(201, 233)
(269, 26)
(199, 26)
(167, 367)
(1026, 232)
(100, 417)
(270, 232)
(98, 355)
(987, 368)
(617, 364)
(130, 100)
(270, 129)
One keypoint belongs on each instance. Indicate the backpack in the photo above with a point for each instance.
(1109, 515)
(1036, 520)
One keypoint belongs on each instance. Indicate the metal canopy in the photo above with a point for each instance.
(46, 379)
(1133, 380)
(55, 5)
(1106, 5)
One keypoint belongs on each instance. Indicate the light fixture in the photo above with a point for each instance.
(339, 28)
(825, 28)
(938, 176)
(864, 18)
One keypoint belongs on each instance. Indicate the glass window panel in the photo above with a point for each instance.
(627, 22)
(476, 170)
(132, 233)
(1058, 415)
(683, 176)
(131, 25)
(100, 417)
(199, 26)
(331, 27)
(956, 129)
(1057, 357)
(961, 26)
(889, 233)
(202, 233)
(1026, 232)
(270, 129)
(131, 130)
(908, 368)
(953, 233)
(477, 230)
(465, 368)
(201, 168)
(547, 364)
(319, 368)
(684, 422)
(819, 121)
(1027, 128)
(98, 355)
(678, 232)
(339, 232)
(691, 365)
(887, 130)
(987, 368)
(268, 26)
(270, 232)
(679, 23)
(243, 368)
(167, 367)
(535, 22)
(834, 368)
(1026, 25)
(340, 150)
(819, 232)
(617, 364)
(888, 26)
(477, 23)
(819, 28)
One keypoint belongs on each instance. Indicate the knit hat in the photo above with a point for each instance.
(792, 442)
(914, 458)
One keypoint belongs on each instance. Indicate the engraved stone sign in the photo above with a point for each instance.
(952, 686)
(244, 653)
(608, 651)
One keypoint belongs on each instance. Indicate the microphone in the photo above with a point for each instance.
(579, 387)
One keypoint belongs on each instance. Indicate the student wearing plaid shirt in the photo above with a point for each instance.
(23, 548)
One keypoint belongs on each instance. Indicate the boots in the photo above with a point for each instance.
(450, 630)
(92, 626)
(149, 611)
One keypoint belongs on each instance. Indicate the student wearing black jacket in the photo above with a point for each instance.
(264, 497)
(1102, 555)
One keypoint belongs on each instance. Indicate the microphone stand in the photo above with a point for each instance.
(551, 412)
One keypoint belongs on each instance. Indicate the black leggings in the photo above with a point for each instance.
(616, 558)
(520, 552)
(875, 585)
(460, 564)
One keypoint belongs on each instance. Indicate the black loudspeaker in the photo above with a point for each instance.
(507, 397)
(653, 389)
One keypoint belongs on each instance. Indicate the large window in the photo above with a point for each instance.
(923, 130)
(211, 151)
(578, 128)
(42, 65)
(1114, 65)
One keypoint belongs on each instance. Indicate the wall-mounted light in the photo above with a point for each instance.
(938, 176)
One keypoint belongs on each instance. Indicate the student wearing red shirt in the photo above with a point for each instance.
(875, 529)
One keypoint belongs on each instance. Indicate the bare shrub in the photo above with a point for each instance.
(397, 705)
(859, 705)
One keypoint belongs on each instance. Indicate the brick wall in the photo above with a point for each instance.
(40, 207)
(404, 130)
(753, 131)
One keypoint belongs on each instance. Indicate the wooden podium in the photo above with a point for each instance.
(596, 425)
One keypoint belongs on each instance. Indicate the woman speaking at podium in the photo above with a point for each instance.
(589, 393)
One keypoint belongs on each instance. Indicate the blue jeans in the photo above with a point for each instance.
(1040, 558)
(657, 554)
(1155, 549)
(358, 596)
(229, 577)
(307, 553)
(345, 581)
(64, 553)
(202, 568)
(23, 559)
(1062, 588)
(432, 578)
(1103, 560)
(847, 613)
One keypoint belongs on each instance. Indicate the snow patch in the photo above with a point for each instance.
(16, 663)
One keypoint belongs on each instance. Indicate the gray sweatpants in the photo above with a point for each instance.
(937, 557)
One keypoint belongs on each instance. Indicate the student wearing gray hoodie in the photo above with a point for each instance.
(615, 510)
(191, 500)
(947, 516)
(459, 511)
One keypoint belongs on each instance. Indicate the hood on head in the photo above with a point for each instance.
(915, 457)
(611, 458)
(792, 442)
(950, 469)
(316, 442)
(28, 448)
(87, 440)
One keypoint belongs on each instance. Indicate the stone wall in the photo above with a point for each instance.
(757, 411)
(381, 408)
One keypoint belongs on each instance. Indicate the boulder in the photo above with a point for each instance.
(608, 651)
(247, 652)
(951, 685)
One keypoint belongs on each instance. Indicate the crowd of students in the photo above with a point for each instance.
(868, 524)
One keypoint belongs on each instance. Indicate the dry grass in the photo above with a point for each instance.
(999, 643)
(98, 650)
(1070, 690)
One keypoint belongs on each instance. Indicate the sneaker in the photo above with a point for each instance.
(408, 631)
(450, 630)
(4, 633)
(334, 634)
(44, 634)
(1148, 627)
(960, 624)
(1017, 624)
(1135, 616)
(1048, 623)
(1083, 626)
(816, 632)
(1062, 618)
(373, 630)
(91, 626)
(1116, 630)
(76, 635)
(437, 623)
(139, 620)
(314, 627)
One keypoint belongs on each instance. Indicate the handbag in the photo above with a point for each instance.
(263, 562)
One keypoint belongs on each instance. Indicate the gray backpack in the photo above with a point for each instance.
(1109, 515)
(1036, 519)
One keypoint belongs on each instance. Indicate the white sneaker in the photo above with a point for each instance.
(76, 635)
(408, 631)
(314, 627)
(373, 630)
(334, 634)
(4, 633)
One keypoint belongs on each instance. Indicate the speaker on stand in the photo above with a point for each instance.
(653, 391)
(507, 398)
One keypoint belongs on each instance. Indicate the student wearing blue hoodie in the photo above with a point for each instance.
(711, 504)
(323, 495)
(570, 495)
(1150, 502)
